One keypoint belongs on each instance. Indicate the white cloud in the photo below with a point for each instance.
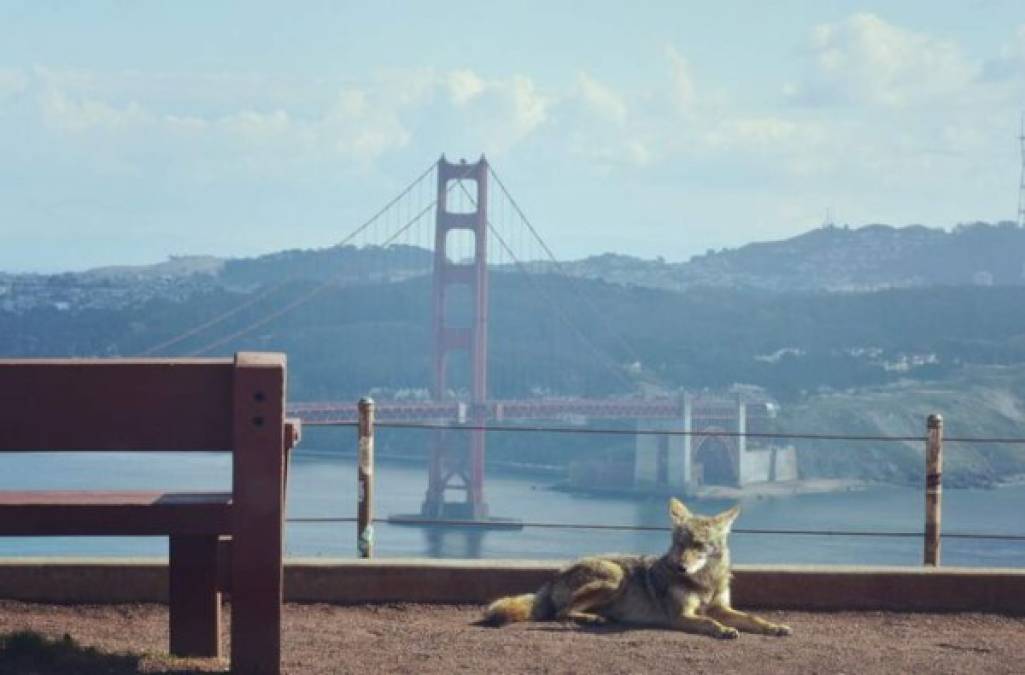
(905, 109)
(402, 88)
(754, 131)
(360, 127)
(596, 125)
(255, 126)
(911, 114)
(464, 86)
(223, 126)
(610, 153)
(68, 114)
(864, 59)
(504, 113)
(264, 129)
(13, 81)
(186, 123)
(355, 127)
(530, 107)
(682, 81)
(601, 99)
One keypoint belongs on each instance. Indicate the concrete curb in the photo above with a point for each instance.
(347, 581)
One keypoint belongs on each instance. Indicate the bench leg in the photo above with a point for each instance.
(194, 597)
(258, 513)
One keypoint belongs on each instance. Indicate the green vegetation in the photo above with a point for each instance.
(865, 362)
(348, 340)
(976, 401)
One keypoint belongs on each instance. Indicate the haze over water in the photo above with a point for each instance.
(322, 484)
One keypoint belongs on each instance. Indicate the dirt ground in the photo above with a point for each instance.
(404, 638)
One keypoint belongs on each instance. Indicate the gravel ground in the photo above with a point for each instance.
(405, 638)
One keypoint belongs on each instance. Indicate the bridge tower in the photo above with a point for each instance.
(455, 464)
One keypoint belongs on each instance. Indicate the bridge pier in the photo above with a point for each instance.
(683, 462)
(745, 469)
(666, 461)
(456, 465)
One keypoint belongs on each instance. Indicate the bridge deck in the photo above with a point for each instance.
(706, 408)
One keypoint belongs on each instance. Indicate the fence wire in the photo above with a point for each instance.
(664, 432)
(647, 528)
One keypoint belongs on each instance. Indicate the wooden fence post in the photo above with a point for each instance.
(933, 488)
(365, 480)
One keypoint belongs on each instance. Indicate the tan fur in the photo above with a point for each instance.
(509, 610)
(687, 588)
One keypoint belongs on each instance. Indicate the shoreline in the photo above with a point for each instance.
(764, 490)
(517, 468)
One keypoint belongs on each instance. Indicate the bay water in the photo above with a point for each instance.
(323, 484)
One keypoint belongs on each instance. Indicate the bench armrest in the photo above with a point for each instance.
(293, 432)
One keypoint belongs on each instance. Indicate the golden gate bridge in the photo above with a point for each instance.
(460, 258)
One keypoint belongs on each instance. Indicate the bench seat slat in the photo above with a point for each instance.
(136, 513)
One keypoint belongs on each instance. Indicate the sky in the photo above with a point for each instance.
(132, 131)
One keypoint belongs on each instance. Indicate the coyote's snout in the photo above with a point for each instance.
(687, 588)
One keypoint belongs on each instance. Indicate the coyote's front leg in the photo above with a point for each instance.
(746, 622)
(704, 625)
(688, 620)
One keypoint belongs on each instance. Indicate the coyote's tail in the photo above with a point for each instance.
(527, 607)
(509, 610)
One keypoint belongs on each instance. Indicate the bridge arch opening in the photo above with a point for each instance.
(461, 195)
(460, 246)
(715, 461)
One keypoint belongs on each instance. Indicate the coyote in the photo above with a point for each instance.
(687, 588)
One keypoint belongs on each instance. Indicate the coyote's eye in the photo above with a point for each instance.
(707, 547)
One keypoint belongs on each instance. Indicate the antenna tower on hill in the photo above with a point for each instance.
(1021, 186)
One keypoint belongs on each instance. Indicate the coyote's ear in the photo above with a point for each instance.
(677, 511)
(724, 520)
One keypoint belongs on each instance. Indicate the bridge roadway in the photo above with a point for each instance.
(703, 408)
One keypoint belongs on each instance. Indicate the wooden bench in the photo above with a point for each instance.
(229, 405)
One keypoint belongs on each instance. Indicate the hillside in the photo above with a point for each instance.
(874, 361)
(977, 401)
(842, 259)
(828, 259)
(569, 337)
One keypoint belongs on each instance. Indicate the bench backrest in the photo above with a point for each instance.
(140, 404)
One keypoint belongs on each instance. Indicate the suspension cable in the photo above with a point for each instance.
(301, 299)
(561, 313)
(309, 295)
(266, 292)
(559, 267)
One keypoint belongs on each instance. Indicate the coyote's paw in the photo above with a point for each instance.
(779, 630)
(727, 633)
(588, 619)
